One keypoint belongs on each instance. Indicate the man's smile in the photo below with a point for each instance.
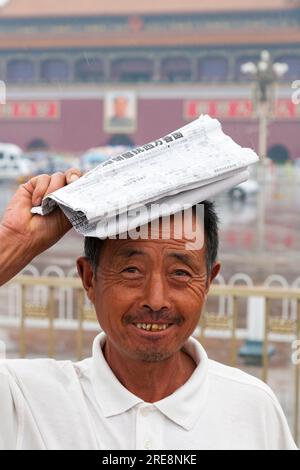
(153, 326)
(151, 330)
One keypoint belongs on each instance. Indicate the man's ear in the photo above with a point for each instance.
(214, 272)
(86, 274)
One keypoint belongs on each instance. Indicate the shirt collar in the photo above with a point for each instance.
(183, 407)
(111, 395)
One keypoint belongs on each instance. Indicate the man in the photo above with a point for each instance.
(120, 118)
(149, 384)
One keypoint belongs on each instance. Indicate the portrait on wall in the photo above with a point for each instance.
(120, 112)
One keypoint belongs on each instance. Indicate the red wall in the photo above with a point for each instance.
(80, 127)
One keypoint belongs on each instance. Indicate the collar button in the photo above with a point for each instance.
(145, 412)
(147, 445)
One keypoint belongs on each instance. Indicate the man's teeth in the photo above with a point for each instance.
(152, 326)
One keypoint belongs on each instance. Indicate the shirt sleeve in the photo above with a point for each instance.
(278, 433)
(8, 425)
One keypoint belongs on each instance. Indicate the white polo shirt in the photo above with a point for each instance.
(47, 404)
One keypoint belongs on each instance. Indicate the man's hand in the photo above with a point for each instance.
(35, 232)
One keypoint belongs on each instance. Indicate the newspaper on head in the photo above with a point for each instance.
(165, 176)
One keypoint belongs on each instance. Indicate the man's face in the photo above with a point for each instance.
(121, 105)
(148, 295)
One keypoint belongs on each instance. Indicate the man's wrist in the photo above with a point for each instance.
(15, 253)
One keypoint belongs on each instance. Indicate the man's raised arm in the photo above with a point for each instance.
(23, 235)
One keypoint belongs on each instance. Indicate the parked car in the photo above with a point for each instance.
(93, 157)
(13, 164)
(247, 188)
(297, 162)
(244, 190)
(49, 162)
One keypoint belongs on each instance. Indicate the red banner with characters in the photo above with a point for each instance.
(237, 109)
(30, 110)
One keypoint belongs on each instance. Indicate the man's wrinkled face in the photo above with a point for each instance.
(149, 295)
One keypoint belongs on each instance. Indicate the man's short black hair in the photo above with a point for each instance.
(92, 245)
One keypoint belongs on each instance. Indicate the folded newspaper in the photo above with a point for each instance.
(163, 177)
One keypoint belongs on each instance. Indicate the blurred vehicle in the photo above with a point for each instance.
(13, 163)
(297, 162)
(244, 190)
(49, 163)
(247, 188)
(93, 157)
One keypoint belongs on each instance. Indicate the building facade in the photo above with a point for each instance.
(68, 70)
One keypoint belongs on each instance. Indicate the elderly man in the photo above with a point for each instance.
(148, 384)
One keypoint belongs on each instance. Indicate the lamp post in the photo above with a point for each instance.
(265, 75)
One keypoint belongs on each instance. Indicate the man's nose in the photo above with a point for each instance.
(156, 295)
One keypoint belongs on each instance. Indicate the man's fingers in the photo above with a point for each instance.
(72, 175)
(40, 185)
(57, 181)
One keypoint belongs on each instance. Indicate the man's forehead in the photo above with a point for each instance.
(185, 227)
(161, 235)
(164, 248)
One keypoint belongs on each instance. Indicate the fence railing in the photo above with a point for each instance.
(222, 322)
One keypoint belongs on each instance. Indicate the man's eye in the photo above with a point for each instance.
(130, 269)
(181, 273)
